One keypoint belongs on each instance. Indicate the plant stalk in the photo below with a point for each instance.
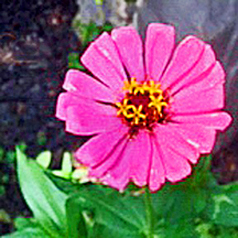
(149, 214)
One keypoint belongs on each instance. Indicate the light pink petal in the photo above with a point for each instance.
(159, 44)
(89, 119)
(130, 48)
(199, 72)
(176, 165)
(83, 85)
(187, 54)
(65, 100)
(102, 59)
(200, 101)
(216, 120)
(157, 172)
(101, 147)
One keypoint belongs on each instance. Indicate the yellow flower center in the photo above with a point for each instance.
(143, 105)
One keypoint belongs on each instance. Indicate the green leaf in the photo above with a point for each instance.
(41, 138)
(200, 199)
(204, 230)
(76, 223)
(29, 232)
(184, 228)
(10, 157)
(44, 159)
(224, 209)
(62, 184)
(73, 61)
(4, 216)
(187, 199)
(58, 173)
(67, 163)
(27, 227)
(1, 154)
(45, 200)
(119, 216)
(231, 187)
(22, 223)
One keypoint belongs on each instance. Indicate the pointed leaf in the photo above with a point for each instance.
(44, 159)
(67, 163)
(45, 200)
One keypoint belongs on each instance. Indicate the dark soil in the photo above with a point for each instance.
(35, 39)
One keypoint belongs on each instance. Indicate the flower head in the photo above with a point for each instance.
(152, 110)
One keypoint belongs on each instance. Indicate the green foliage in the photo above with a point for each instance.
(88, 32)
(99, 2)
(41, 138)
(44, 199)
(73, 61)
(113, 212)
(27, 228)
(195, 207)
(7, 160)
(44, 159)
(224, 209)
(66, 167)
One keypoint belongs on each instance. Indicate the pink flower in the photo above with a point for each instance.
(152, 109)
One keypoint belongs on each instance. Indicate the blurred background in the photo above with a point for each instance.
(40, 40)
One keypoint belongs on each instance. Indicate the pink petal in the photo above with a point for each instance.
(216, 120)
(176, 165)
(156, 173)
(83, 85)
(118, 177)
(159, 43)
(200, 101)
(65, 100)
(200, 137)
(177, 143)
(89, 119)
(199, 72)
(209, 80)
(100, 147)
(130, 160)
(102, 59)
(187, 54)
(130, 48)
(85, 116)
(118, 174)
(110, 161)
(139, 153)
(133, 163)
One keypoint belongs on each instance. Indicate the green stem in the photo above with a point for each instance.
(149, 214)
